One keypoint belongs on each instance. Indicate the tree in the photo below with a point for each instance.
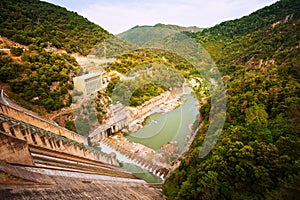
(17, 51)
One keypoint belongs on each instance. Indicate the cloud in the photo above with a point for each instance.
(120, 15)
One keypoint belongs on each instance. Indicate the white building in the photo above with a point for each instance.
(88, 83)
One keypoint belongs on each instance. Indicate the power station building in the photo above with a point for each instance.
(88, 83)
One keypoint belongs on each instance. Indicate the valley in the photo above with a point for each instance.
(155, 112)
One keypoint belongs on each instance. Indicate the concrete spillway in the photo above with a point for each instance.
(39, 183)
(125, 156)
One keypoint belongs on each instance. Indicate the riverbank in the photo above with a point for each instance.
(163, 103)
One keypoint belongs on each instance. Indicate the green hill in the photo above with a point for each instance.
(179, 28)
(42, 72)
(37, 23)
(257, 155)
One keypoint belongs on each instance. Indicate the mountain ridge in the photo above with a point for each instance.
(173, 27)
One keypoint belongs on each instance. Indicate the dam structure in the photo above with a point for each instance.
(41, 160)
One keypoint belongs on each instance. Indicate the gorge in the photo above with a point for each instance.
(245, 140)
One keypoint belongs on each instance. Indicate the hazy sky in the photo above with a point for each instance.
(117, 16)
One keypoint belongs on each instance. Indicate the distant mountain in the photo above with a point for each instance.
(39, 23)
(179, 28)
(139, 35)
(257, 155)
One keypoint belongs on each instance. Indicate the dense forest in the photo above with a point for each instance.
(40, 78)
(177, 27)
(33, 22)
(257, 155)
(129, 61)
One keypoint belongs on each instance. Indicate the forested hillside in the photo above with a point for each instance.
(33, 22)
(179, 28)
(37, 71)
(41, 79)
(257, 155)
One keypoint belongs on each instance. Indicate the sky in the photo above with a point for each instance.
(118, 16)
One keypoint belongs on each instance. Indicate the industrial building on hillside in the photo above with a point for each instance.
(88, 83)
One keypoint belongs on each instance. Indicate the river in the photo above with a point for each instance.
(160, 129)
(163, 128)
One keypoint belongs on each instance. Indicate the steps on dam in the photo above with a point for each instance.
(71, 164)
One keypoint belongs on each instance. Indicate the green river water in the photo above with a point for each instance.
(162, 128)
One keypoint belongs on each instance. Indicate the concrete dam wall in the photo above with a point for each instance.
(37, 131)
(39, 160)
